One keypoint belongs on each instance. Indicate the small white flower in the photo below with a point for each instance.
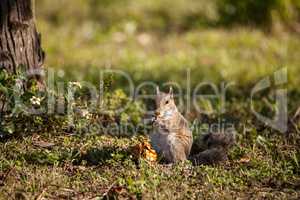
(84, 113)
(76, 84)
(89, 116)
(35, 101)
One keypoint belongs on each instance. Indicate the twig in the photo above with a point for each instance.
(42, 194)
(7, 174)
(295, 125)
(62, 188)
(2, 101)
(107, 191)
(297, 113)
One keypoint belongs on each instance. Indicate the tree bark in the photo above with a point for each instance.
(20, 43)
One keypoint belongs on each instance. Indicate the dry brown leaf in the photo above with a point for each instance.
(145, 150)
(244, 160)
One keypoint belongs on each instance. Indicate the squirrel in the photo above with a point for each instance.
(172, 138)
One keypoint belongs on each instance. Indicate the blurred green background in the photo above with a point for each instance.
(218, 40)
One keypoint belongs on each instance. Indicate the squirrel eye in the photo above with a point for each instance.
(167, 102)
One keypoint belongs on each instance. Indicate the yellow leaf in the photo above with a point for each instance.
(145, 150)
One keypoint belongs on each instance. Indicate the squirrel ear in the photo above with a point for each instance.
(157, 90)
(171, 91)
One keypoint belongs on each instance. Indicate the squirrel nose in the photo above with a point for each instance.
(157, 113)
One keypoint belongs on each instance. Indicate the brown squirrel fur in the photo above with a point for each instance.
(173, 140)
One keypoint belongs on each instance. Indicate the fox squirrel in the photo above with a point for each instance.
(173, 139)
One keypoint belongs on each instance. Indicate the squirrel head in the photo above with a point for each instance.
(165, 104)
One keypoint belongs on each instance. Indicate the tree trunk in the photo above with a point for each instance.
(20, 43)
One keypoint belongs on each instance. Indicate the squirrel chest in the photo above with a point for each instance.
(173, 145)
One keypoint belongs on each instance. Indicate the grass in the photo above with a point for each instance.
(241, 56)
(91, 166)
(264, 164)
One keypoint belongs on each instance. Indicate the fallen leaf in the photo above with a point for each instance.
(145, 150)
(244, 160)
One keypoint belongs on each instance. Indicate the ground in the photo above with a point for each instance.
(94, 166)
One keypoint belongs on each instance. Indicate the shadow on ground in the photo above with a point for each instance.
(89, 157)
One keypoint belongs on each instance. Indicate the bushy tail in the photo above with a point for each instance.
(213, 148)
